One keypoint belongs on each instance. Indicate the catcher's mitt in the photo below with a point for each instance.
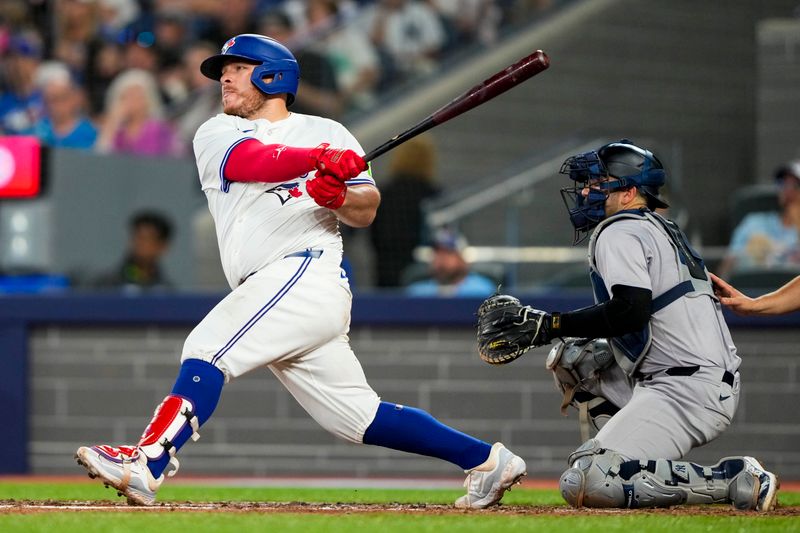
(507, 329)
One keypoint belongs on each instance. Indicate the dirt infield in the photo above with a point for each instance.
(59, 506)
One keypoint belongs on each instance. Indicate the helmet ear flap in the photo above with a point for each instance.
(285, 78)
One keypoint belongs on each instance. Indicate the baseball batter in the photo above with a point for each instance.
(661, 375)
(277, 185)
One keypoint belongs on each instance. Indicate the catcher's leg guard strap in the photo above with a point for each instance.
(601, 478)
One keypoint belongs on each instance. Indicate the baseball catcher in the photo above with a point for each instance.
(651, 366)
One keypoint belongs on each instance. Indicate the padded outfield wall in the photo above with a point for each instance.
(83, 369)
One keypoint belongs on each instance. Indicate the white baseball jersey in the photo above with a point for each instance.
(668, 415)
(281, 252)
(258, 223)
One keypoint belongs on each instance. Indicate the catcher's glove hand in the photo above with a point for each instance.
(507, 329)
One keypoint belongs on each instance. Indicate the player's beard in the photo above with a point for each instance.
(251, 104)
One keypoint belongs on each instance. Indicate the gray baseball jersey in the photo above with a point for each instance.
(689, 331)
(668, 414)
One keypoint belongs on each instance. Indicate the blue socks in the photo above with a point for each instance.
(395, 426)
(200, 382)
(413, 430)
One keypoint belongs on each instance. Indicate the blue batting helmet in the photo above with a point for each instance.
(273, 59)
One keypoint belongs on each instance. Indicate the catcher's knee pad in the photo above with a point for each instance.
(601, 478)
(586, 374)
(169, 419)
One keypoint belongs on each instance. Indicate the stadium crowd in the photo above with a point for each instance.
(122, 76)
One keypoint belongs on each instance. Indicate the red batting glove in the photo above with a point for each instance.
(338, 162)
(327, 191)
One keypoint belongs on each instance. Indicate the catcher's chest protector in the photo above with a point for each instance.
(629, 349)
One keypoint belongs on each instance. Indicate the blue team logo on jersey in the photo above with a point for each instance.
(227, 45)
(286, 191)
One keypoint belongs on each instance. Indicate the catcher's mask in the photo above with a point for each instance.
(271, 57)
(631, 165)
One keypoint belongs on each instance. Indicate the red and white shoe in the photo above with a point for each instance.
(125, 469)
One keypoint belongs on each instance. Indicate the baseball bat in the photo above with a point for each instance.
(498, 83)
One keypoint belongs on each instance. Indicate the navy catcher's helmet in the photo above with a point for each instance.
(632, 165)
(273, 59)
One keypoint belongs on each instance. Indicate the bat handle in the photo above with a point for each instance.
(400, 138)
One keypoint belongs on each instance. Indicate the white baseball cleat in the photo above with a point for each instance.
(125, 469)
(766, 493)
(487, 482)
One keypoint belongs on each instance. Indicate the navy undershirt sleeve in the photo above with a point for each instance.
(627, 311)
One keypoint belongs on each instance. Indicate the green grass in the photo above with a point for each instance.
(95, 491)
(350, 522)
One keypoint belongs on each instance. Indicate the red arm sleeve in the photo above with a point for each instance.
(252, 160)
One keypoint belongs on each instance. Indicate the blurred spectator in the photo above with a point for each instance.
(172, 34)
(21, 102)
(108, 64)
(398, 226)
(450, 273)
(203, 98)
(65, 123)
(349, 50)
(769, 239)
(233, 17)
(14, 14)
(77, 38)
(134, 121)
(116, 18)
(142, 55)
(468, 21)
(149, 238)
(318, 92)
(408, 33)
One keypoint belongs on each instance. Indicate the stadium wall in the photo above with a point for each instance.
(83, 369)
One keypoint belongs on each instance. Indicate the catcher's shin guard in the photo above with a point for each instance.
(169, 419)
(601, 478)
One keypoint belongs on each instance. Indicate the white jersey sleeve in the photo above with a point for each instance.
(213, 143)
(218, 136)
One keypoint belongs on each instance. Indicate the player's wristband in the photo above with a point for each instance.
(555, 324)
